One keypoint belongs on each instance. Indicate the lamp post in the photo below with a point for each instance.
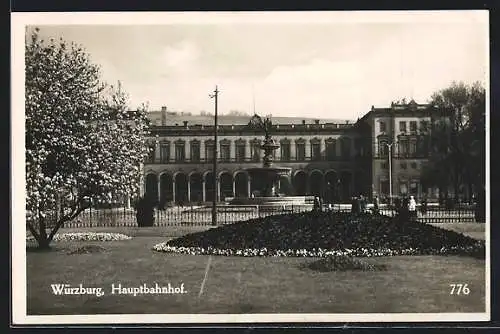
(389, 146)
(215, 192)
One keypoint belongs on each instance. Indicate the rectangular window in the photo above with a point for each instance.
(151, 154)
(383, 165)
(225, 152)
(382, 126)
(346, 148)
(413, 148)
(403, 188)
(180, 153)
(330, 150)
(403, 148)
(413, 126)
(256, 152)
(424, 126)
(209, 151)
(414, 188)
(315, 152)
(165, 152)
(359, 147)
(383, 149)
(285, 151)
(402, 126)
(195, 152)
(240, 152)
(384, 187)
(301, 151)
(423, 146)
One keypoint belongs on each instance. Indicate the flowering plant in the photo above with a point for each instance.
(322, 234)
(358, 252)
(86, 236)
(82, 140)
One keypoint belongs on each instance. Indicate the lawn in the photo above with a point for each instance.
(246, 285)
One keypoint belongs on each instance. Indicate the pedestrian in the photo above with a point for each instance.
(412, 208)
(376, 204)
(423, 205)
(316, 203)
(404, 212)
(362, 203)
(355, 205)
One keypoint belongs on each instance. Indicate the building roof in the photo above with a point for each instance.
(173, 119)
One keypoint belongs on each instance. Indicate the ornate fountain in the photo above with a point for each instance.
(268, 175)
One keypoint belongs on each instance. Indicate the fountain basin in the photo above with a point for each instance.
(271, 201)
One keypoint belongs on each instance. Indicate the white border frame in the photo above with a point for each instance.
(18, 264)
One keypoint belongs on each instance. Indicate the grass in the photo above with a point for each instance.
(244, 285)
(473, 230)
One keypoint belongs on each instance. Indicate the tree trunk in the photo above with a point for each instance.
(43, 242)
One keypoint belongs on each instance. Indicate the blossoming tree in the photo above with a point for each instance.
(82, 141)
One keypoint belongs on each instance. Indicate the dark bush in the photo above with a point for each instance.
(145, 212)
(316, 233)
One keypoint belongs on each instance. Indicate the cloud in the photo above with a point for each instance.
(180, 57)
(316, 74)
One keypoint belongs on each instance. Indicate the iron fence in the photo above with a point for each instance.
(199, 215)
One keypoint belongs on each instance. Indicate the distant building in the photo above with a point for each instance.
(404, 131)
(330, 158)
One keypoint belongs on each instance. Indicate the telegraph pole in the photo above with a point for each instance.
(215, 192)
(390, 172)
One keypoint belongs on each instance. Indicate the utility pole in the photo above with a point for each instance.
(215, 192)
(390, 172)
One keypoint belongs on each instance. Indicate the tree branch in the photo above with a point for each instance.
(76, 210)
(33, 231)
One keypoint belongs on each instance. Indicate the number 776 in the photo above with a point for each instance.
(459, 289)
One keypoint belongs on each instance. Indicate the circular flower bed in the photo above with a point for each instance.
(86, 236)
(325, 234)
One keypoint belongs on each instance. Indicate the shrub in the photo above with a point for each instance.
(87, 249)
(145, 212)
(322, 234)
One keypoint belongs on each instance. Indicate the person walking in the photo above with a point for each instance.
(404, 214)
(376, 204)
(362, 203)
(423, 205)
(412, 208)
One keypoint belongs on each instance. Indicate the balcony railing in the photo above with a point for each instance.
(248, 160)
(403, 156)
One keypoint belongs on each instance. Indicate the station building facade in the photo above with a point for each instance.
(332, 159)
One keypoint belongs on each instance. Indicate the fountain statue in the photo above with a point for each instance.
(268, 174)
(267, 177)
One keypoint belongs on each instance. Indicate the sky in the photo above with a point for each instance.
(324, 69)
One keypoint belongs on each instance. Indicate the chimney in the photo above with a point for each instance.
(185, 123)
(303, 121)
(316, 121)
(163, 115)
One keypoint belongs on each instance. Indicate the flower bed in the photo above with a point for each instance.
(325, 234)
(86, 236)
